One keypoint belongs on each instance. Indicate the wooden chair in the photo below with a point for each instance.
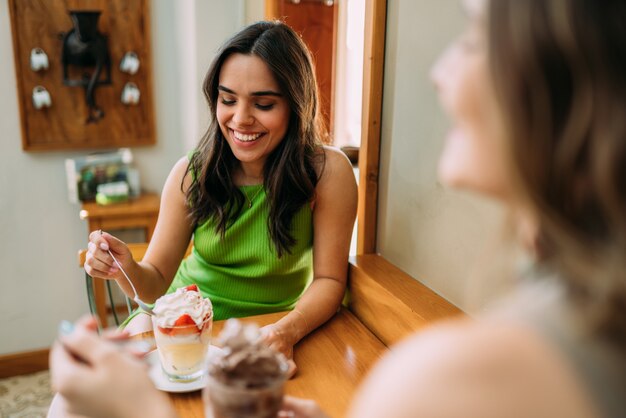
(97, 295)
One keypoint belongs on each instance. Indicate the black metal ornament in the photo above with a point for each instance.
(85, 47)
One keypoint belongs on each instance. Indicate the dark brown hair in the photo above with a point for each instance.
(559, 69)
(290, 174)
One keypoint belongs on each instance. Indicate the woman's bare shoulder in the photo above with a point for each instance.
(336, 180)
(472, 369)
(176, 185)
(332, 162)
(179, 173)
(335, 156)
(182, 165)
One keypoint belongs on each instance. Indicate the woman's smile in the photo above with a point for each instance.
(246, 137)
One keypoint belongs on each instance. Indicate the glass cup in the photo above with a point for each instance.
(222, 400)
(183, 350)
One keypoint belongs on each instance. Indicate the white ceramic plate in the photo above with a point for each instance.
(163, 383)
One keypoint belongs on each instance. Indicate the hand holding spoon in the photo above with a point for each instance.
(139, 302)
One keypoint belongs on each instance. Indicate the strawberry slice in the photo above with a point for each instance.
(192, 287)
(184, 325)
(184, 320)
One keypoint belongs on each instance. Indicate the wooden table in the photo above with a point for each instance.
(331, 361)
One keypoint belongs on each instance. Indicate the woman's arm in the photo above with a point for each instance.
(153, 275)
(333, 221)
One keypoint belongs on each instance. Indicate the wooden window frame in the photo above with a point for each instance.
(380, 291)
(369, 153)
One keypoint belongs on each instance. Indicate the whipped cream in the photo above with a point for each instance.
(168, 308)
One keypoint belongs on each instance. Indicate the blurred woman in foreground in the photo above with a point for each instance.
(536, 90)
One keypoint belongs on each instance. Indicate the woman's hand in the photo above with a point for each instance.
(300, 408)
(281, 342)
(96, 378)
(98, 263)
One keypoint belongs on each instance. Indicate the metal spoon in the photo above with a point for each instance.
(139, 302)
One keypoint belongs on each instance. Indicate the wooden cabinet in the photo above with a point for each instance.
(141, 213)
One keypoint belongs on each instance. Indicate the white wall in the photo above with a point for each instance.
(433, 234)
(254, 11)
(40, 232)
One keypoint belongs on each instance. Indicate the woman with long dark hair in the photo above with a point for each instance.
(269, 207)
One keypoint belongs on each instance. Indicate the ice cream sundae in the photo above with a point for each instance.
(247, 377)
(182, 329)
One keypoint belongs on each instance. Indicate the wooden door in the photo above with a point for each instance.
(315, 21)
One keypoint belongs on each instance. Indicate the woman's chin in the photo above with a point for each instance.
(456, 168)
(450, 172)
(450, 180)
(452, 175)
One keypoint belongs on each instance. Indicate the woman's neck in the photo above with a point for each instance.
(527, 229)
(248, 174)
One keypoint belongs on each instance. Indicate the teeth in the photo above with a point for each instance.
(244, 137)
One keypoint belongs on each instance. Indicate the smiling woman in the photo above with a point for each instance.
(259, 196)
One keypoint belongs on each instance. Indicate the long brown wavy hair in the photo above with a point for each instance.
(290, 174)
(559, 69)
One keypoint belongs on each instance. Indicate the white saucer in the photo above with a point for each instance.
(161, 381)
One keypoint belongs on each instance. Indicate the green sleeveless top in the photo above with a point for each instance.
(242, 274)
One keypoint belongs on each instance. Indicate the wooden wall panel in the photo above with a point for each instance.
(390, 303)
(23, 363)
(42, 23)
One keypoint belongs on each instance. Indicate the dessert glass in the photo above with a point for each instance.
(223, 400)
(184, 350)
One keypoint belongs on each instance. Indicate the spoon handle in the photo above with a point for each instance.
(123, 272)
(139, 302)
